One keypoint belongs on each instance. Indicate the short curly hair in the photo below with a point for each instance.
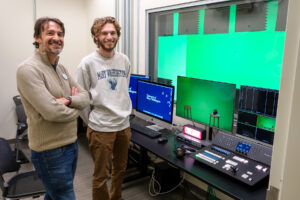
(100, 22)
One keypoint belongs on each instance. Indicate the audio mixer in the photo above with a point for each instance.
(239, 158)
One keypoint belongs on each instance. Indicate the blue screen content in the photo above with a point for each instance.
(155, 99)
(132, 87)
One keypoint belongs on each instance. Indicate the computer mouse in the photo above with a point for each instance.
(162, 140)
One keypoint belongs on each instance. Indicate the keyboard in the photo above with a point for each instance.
(144, 130)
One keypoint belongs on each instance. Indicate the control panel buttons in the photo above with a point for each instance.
(231, 162)
(226, 167)
(245, 176)
(259, 167)
(250, 173)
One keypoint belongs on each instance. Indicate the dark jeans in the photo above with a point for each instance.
(56, 168)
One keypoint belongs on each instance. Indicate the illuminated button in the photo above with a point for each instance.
(238, 158)
(231, 162)
(250, 179)
(203, 157)
(245, 161)
(259, 167)
(216, 155)
(250, 173)
(265, 169)
(245, 176)
(227, 167)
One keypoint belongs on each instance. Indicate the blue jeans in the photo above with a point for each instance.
(56, 168)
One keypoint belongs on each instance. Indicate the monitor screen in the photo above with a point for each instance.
(133, 85)
(155, 99)
(204, 101)
(257, 113)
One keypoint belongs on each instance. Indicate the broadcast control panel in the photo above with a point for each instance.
(241, 159)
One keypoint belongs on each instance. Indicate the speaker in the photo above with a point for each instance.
(168, 177)
(210, 130)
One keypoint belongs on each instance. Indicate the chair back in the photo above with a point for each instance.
(7, 160)
(22, 118)
(21, 185)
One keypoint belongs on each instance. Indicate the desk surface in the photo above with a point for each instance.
(222, 182)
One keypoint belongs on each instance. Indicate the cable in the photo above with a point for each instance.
(153, 181)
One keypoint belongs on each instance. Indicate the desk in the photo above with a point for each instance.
(225, 184)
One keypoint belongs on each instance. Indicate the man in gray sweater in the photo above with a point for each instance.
(105, 75)
(52, 102)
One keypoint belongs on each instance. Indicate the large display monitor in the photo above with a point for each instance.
(155, 100)
(257, 113)
(133, 85)
(204, 101)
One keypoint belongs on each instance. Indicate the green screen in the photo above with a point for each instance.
(249, 58)
(243, 58)
(199, 98)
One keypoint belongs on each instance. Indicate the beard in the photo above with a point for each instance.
(111, 48)
(55, 51)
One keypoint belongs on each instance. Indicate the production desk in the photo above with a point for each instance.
(225, 184)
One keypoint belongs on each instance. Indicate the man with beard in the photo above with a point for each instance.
(52, 102)
(105, 75)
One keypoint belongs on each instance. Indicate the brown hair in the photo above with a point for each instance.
(39, 27)
(100, 22)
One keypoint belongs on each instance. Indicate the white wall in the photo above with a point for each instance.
(97, 9)
(16, 22)
(285, 174)
(73, 13)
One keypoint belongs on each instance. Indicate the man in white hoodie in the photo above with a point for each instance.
(105, 75)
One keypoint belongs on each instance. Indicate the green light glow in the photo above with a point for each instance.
(201, 21)
(175, 24)
(243, 58)
(246, 58)
(232, 18)
(172, 57)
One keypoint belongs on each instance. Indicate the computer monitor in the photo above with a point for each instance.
(155, 99)
(257, 113)
(133, 85)
(206, 101)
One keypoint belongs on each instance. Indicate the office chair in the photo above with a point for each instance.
(21, 128)
(23, 184)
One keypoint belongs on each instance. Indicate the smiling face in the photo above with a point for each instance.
(51, 40)
(108, 37)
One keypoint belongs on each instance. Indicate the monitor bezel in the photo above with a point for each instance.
(136, 75)
(160, 84)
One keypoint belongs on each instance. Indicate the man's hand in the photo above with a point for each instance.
(74, 91)
(63, 101)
